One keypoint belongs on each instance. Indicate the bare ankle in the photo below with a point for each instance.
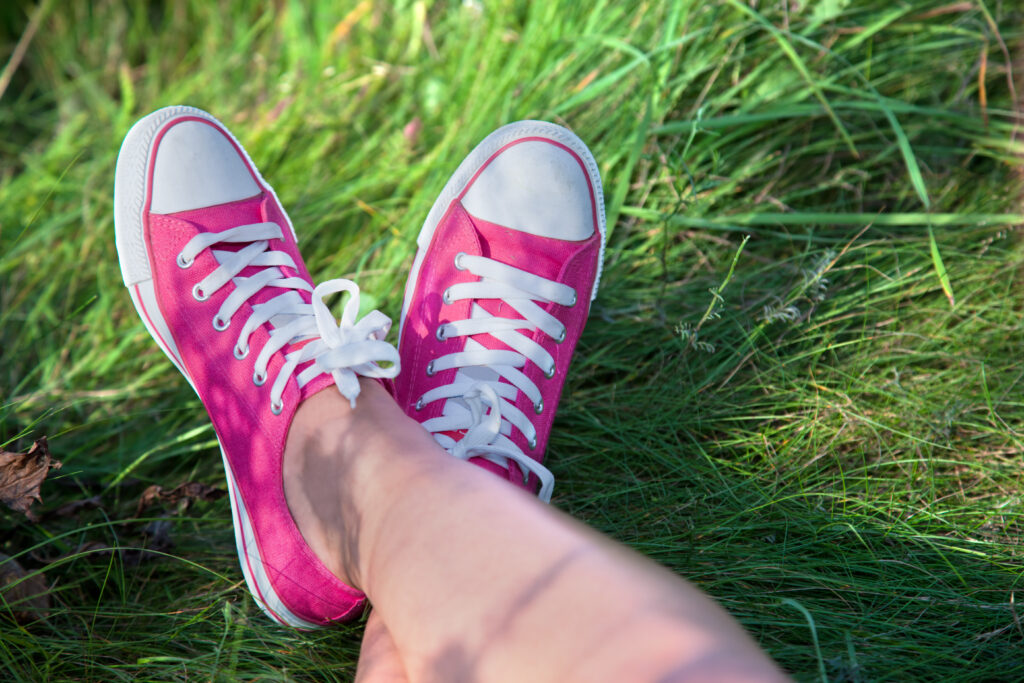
(319, 461)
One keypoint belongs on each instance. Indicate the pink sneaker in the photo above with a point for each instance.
(508, 263)
(210, 260)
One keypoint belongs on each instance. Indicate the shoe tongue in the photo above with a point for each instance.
(245, 211)
(543, 256)
(224, 216)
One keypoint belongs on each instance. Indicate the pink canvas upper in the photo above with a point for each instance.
(574, 263)
(251, 435)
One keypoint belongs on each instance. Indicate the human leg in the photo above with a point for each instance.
(379, 659)
(476, 580)
(471, 578)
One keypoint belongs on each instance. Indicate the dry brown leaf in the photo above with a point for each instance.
(185, 493)
(22, 473)
(25, 596)
(73, 507)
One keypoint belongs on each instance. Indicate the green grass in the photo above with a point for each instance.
(822, 440)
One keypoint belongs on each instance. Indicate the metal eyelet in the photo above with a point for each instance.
(458, 261)
(276, 408)
(532, 443)
(199, 294)
(419, 403)
(560, 338)
(240, 354)
(440, 333)
(430, 369)
(220, 324)
(258, 379)
(550, 372)
(183, 263)
(573, 302)
(447, 296)
(538, 407)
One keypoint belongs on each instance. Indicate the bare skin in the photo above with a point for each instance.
(474, 580)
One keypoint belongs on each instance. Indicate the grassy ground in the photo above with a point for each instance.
(825, 437)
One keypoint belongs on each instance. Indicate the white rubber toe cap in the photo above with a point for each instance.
(197, 166)
(535, 187)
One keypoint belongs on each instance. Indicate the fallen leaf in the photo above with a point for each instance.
(83, 549)
(72, 508)
(157, 535)
(184, 494)
(22, 473)
(25, 596)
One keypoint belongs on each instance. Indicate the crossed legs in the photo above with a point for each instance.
(470, 578)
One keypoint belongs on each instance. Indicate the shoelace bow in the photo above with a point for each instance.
(343, 349)
(487, 431)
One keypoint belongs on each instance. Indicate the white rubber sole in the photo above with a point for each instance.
(468, 168)
(130, 180)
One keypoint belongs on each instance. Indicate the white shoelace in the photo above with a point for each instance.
(488, 431)
(343, 349)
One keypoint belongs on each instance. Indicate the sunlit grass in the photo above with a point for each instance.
(838, 455)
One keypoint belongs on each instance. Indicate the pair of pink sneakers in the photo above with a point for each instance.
(509, 260)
